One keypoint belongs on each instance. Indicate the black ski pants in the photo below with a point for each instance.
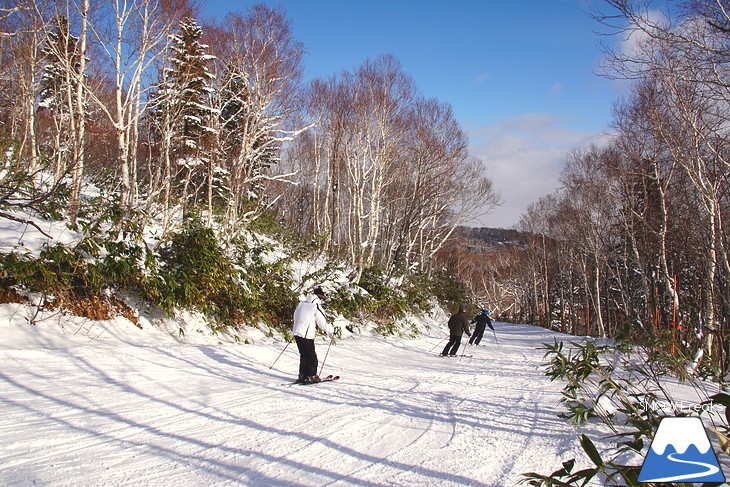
(476, 337)
(307, 356)
(453, 346)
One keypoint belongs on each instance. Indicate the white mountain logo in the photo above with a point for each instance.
(681, 452)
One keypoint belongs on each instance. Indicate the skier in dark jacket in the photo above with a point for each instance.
(458, 325)
(481, 322)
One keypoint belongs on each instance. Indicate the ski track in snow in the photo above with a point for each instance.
(185, 415)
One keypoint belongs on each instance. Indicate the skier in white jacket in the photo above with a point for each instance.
(307, 317)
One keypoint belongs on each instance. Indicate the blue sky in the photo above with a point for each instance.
(521, 76)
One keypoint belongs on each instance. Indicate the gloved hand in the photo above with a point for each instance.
(336, 333)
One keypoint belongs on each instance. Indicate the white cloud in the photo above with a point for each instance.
(524, 157)
(556, 89)
(482, 78)
(634, 43)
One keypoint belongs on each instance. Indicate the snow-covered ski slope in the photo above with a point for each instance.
(109, 413)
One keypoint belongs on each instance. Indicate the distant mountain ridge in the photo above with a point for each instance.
(484, 239)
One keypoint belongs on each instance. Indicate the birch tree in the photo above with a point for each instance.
(80, 110)
(132, 34)
(389, 171)
(25, 25)
(259, 69)
(686, 57)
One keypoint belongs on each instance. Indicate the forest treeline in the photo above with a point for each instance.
(179, 122)
(634, 242)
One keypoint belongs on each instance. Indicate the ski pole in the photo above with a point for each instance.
(282, 353)
(325, 357)
(466, 344)
(437, 345)
(495, 337)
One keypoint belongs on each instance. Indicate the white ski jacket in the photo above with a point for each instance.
(308, 316)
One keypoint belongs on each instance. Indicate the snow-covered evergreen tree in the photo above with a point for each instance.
(60, 54)
(183, 113)
(189, 79)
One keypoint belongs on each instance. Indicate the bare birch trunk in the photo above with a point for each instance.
(80, 139)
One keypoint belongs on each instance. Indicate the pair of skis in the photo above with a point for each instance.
(329, 378)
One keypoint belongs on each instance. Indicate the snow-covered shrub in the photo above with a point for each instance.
(349, 301)
(27, 188)
(419, 289)
(196, 274)
(386, 301)
(59, 270)
(64, 278)
(449, 290)
(266, 278)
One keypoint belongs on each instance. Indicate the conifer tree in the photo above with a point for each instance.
(183, 113)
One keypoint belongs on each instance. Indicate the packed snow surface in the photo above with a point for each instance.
(109, 404)
(79, 409)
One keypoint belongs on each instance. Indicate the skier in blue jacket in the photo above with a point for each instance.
(481, 322)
